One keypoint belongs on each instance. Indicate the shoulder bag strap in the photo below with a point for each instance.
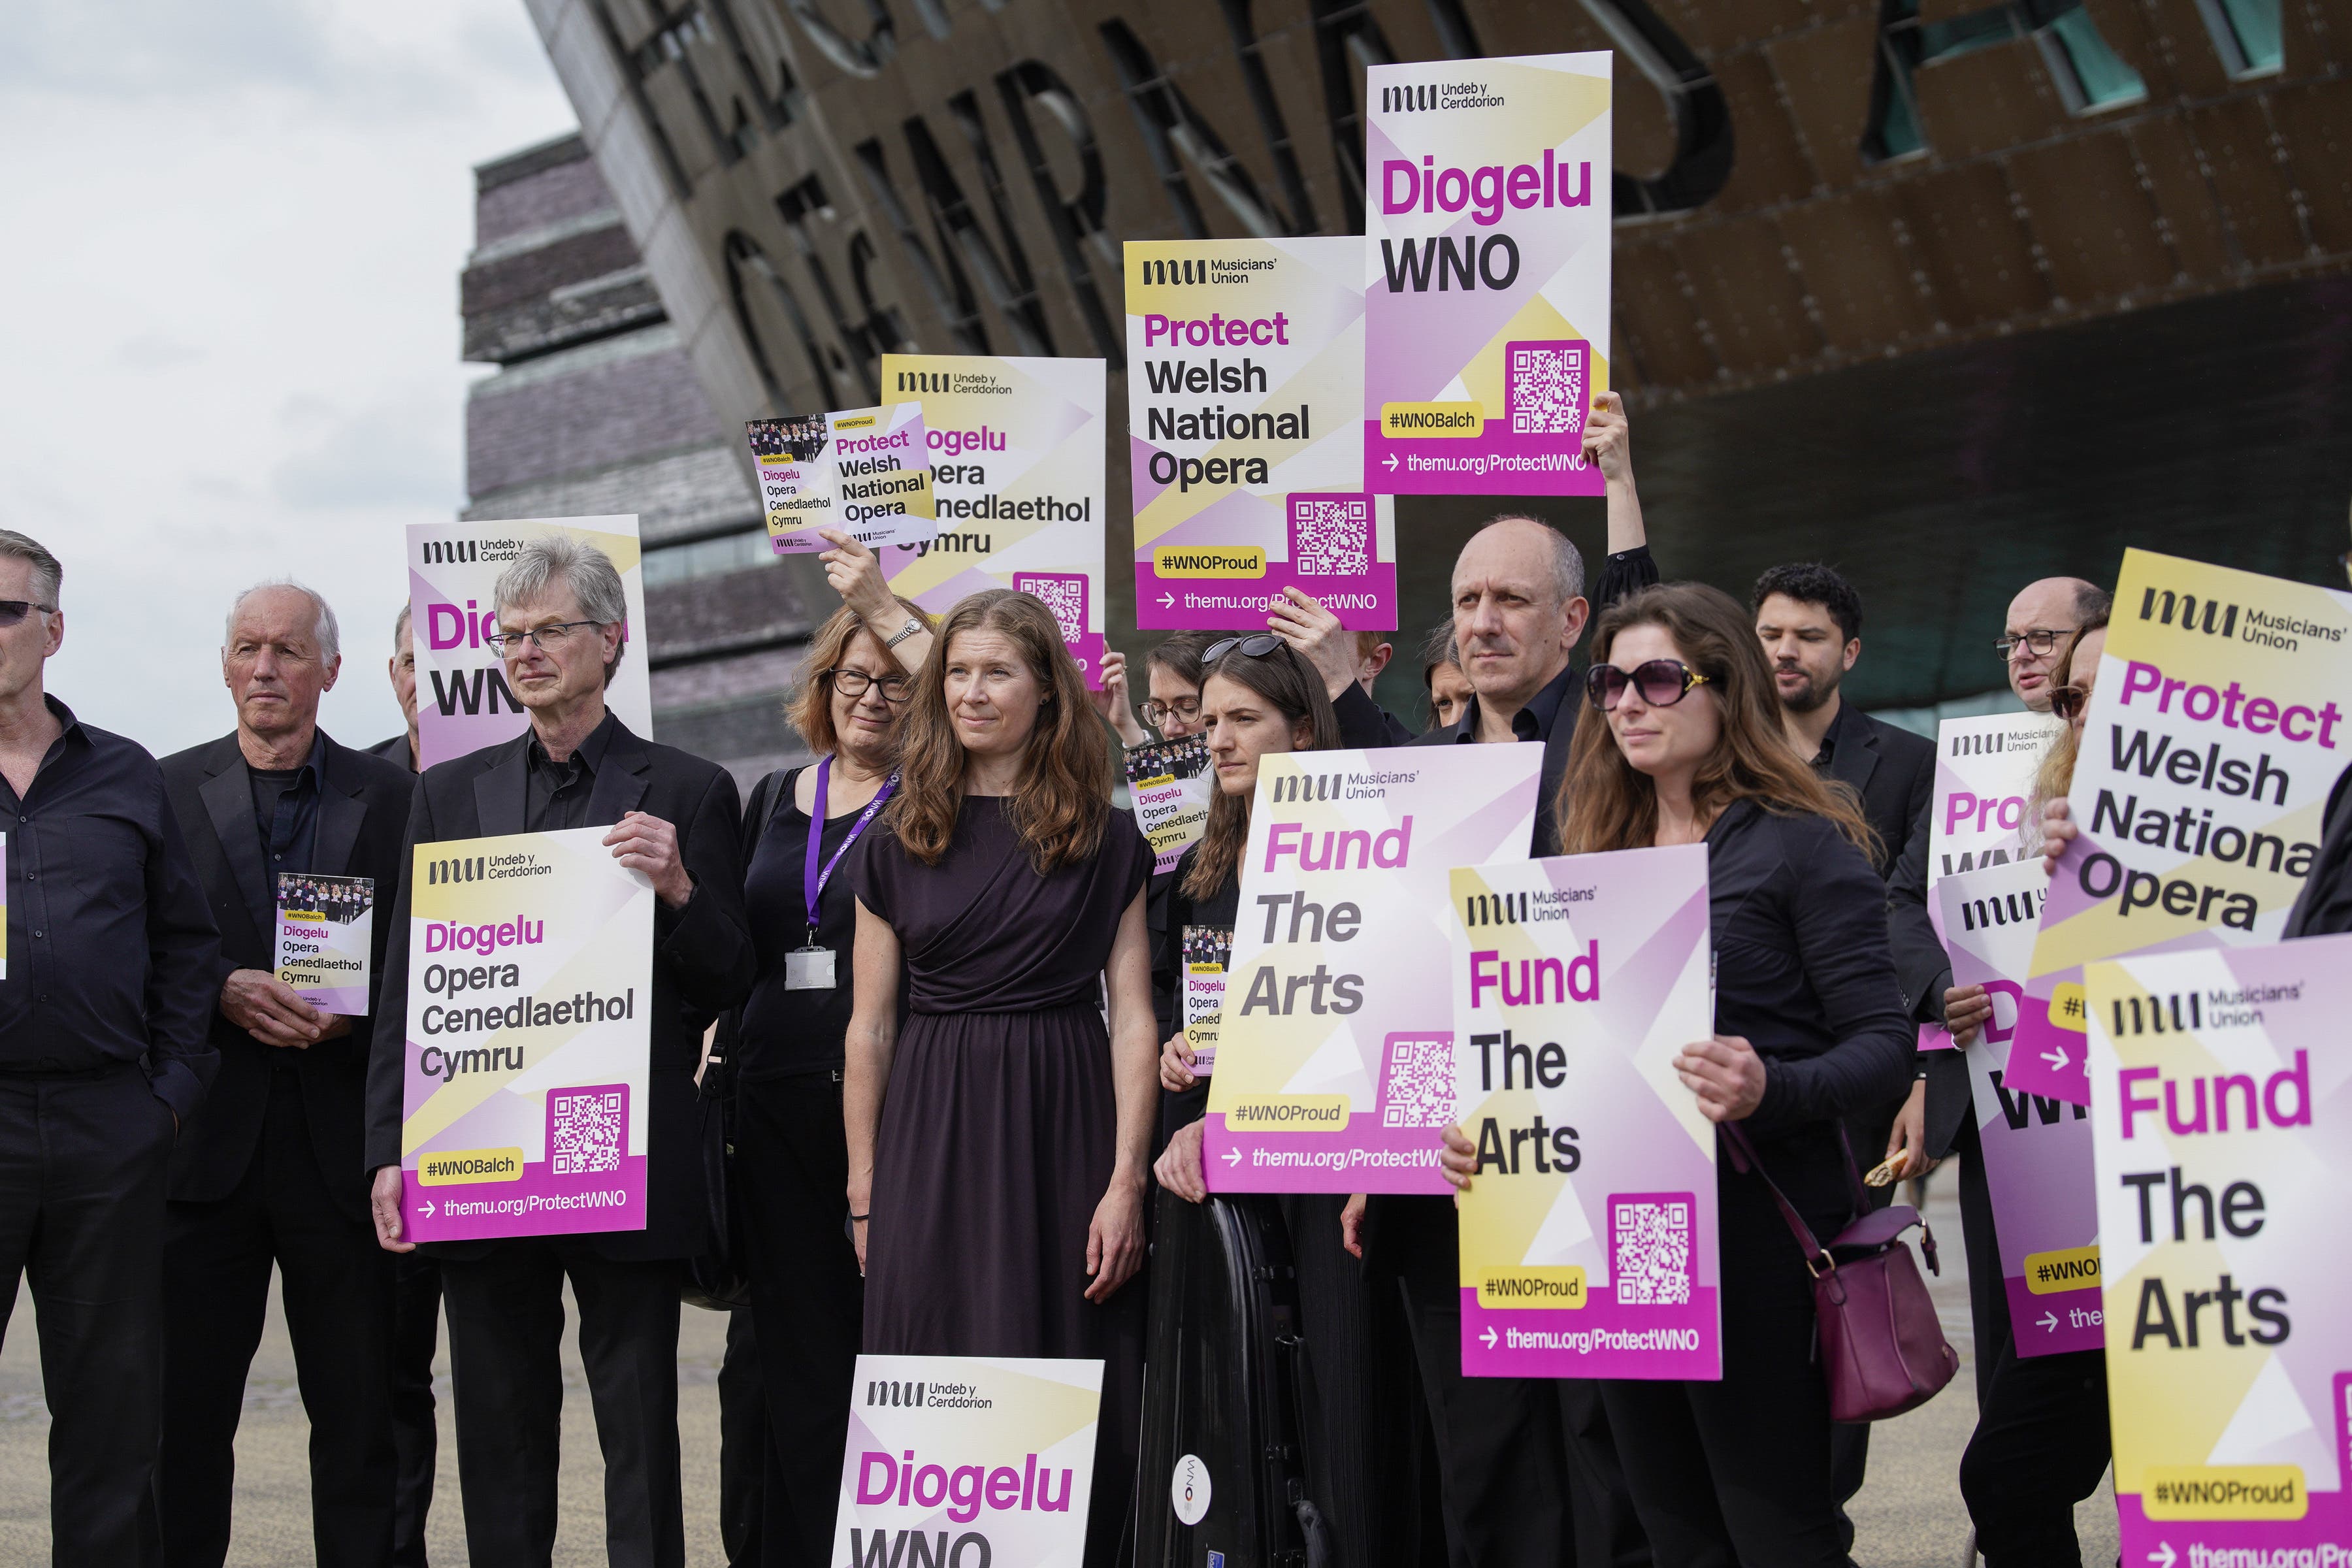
(1744, 1159)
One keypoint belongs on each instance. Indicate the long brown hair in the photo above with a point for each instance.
(1292, 687)
(1064, 797)
(810, 706)
(1606, 802)
(2055, 777)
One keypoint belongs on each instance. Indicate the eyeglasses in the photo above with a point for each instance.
(1257, 646)
(1662, 682)
(548, 638)
(15, 610)
(2066, 701)
(1157, 714)
(2041, 640)
(855, 683)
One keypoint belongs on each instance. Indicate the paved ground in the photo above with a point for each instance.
(1909, 1517)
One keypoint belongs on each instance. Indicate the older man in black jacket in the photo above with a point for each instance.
(269, 1172)
(675, 819)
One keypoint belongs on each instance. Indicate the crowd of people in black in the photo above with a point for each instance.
(940, 981)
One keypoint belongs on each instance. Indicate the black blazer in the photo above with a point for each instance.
(362, 810)
(1893, 771)
(703, 962)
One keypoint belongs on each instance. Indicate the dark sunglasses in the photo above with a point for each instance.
(15, 610)
(1662, 682)
(2066, 701)
(1257, 646)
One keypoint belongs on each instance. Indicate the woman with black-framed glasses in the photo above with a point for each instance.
(785, 1048)
(1810, 1025)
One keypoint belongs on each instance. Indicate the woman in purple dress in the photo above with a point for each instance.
(999, 1136)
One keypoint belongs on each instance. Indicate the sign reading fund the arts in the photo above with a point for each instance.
(530, 1004)
(463, 701)
(1017, 479)
(968, 1462)
(1486, 235)
(2036, 1149)
(865, 472)
(1985, 767)
(2215, 732)
(1335, 1056)
(2222, 1116)
(1244, 397)
(1589, 1234)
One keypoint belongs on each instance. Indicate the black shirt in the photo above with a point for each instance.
(286, 814)
(112, 951)
(555, 794)
(789, 1031)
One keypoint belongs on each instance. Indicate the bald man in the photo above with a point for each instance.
(2043, 620)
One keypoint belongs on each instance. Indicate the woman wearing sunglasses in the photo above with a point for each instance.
(1260, 699)
(792, 1159)
(1810, 1025)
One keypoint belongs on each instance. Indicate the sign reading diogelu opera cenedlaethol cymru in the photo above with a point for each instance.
(1588, 1235)
(1486, 235)
(1245, 365)
(2222, 1127)
(529, 1028)
(463, 702)
(2217, 730)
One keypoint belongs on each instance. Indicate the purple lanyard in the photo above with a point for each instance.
(813, 880)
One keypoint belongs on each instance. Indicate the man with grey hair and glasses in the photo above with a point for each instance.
(112, 971)
(561, 631)
(269, 1175)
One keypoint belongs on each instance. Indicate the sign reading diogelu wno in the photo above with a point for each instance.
(968, 1462)
(529, 998)
(1588, 1232)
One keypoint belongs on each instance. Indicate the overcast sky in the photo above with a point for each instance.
(228, 349)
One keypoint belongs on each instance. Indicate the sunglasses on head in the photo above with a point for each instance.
(15, 610)
(2066, 701)
(1257, 646)
(1662, 683)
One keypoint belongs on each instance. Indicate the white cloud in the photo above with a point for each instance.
(231, 347)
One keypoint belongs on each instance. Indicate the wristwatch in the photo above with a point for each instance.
(914, 623)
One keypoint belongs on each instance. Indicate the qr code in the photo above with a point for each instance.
(1330, 536)
(1547, 392)
(1065, 597)
(1417, 1088)
(1650, 1250)
(585, 1129)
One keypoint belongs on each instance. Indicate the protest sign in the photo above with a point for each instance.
(865, 472)
(1984, 785)
(1245, 395)
(1335, 1065)
(1208, 954)
(2213, 738)
(1486, 236)
(968, 1462)
(1017, 479)
(529, 1005)
(1588, 1235)
(2036, 1150)
(2223, 1127)
(1171, 783)
(463, 702)
(326, 927)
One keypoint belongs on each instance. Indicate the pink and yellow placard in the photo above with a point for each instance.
(1589, 1244)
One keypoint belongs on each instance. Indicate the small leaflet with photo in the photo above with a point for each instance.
(325, 931)
(865, 472)
(1208, 954)
(1171, 784)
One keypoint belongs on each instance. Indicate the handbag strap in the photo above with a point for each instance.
(1744, 1159)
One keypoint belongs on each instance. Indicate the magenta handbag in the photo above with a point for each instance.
(1881, 1345)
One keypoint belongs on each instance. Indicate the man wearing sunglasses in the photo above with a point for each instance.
(113, 968)
(1506, 1444)
(675, 817)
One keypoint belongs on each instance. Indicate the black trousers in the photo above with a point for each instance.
(416, 1439)
(337, 1287)
(506, 1334)
(82, 1166)
(1988, 1297)
(742, 1442)
(1736, 1474)
(2039, 1447)
(791, 1165)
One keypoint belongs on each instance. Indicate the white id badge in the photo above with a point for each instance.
(808, 969)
